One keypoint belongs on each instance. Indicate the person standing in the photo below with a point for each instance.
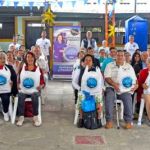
(131, 46)
(89, 41)
(14, 43)
(45, 46)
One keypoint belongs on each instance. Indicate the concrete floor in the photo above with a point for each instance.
(58, 132)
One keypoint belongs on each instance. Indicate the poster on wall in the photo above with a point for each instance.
(66, 45)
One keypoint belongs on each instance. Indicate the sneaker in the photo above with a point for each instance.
(80, 123)
(20, 121)
(109, 125)
(99, 123)
(128, 126)
(6, 116)
(36, 121)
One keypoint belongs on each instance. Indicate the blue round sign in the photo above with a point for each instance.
(127, 82)
(91, 82)
(28, 83)
(3, 80)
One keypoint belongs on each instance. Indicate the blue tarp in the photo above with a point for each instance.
(138, 27)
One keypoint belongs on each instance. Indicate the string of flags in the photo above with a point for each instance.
(37, 3)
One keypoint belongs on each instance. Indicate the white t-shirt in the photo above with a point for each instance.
(16, 46)
(131, 48)
(44, 44)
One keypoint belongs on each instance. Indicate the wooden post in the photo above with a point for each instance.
(106, 23)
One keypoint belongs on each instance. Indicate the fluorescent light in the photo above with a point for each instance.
(1, 25)
(35, 25)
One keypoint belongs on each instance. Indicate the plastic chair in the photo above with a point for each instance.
(16, 105)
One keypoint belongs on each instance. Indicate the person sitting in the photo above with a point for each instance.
(102, 56)
(111, 58)
(76, 67)
(144, 86)
(90, 51)
(121, 83)
(42, 63)
(8, 84)
(80, 82)
(136, 63)
(30, 83)
(12, 61)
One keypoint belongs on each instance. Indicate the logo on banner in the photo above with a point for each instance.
(70, 53)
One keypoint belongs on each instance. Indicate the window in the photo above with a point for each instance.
(7, 30)
(93, 29)
(1, 25)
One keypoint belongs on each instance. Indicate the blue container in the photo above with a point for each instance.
(138, 27)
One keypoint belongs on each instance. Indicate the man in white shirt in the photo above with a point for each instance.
(14, 43)
(45, 46)
(113, 89)
(131, 46)
(89, 41)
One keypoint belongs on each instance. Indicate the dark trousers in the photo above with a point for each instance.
(50, 72)
(5, 101)
(126, 98)
(21, 103)
(76, 95)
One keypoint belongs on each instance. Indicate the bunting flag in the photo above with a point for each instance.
(111, 31)
(46, 5)
(85, 1)
(60, 4)
(16, 4)
(99, 1)
(7, 3)
(31, 5)
(1, 2)
(23, 4)
(73, 3)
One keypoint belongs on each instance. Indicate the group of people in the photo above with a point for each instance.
(102, 74)
(122, 73)
(24, 74)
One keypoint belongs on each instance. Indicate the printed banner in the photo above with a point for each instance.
(65, 48)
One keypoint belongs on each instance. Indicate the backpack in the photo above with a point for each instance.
(90, 120)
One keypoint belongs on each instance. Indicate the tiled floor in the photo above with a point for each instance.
(58, 132)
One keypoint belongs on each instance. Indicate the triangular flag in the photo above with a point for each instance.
(16, 4)
(7, 3)
(60, 4)
(99, 1)
(1, 2)
(46, 5)
(73, 3)
(31, 5)
(85, 1)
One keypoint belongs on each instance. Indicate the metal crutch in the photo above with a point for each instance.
(117, 114)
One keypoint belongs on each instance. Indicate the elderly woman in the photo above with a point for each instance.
(144, 84)
(8, 84)
(80, 82)
(30, 82)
